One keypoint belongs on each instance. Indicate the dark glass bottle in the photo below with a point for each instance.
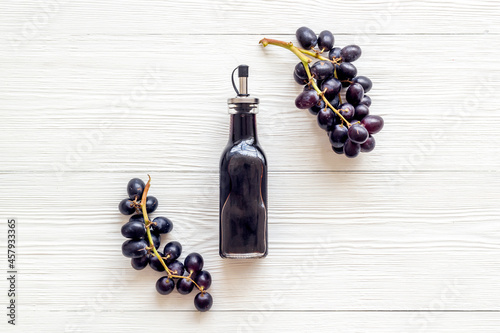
(243, 181)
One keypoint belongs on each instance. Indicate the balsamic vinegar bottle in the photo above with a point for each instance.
(243, 180)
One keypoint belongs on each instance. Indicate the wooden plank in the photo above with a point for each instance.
(29, 19)
(95, 105)
(371, 245)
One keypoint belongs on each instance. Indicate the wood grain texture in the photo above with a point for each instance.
(404, 239)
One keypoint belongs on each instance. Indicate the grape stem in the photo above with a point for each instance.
(301, 54)
(147, 222)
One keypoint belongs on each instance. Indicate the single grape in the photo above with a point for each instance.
(346, 71)
(350, 53)
(301, 71)
(325, 118)
(357, 133)
(164, 285)
(339, 151)
(351, 149)
(126, 207)
(184, 286)
(299, 80)
(203, 301)
(366, 100)
(135, 187)
(364, 81)
(306, 37)
(368, 145)
(332, 86)
(373, 123)
(193, 263)
(325, 41)
(334, 53)
(172, 250)
(322, 69)
(156, 240)
(140, 262)
(338, 136)
(162, 226)
(151, 204)
(155, 263)
(203, 279)
(134, 229)
(137, 217)
(306, 99)
(314, 110)
(354, 93)
(176, 267)
(335, 102)
(134, 248)
(347, 111)
(361, 111)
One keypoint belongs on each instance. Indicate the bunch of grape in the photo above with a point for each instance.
(144, 238)
(348, 124)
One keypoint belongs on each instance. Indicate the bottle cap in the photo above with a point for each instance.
(242, 102)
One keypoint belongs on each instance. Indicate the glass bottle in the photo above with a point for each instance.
(243, 181)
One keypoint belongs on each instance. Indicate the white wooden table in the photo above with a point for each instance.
(404, 239)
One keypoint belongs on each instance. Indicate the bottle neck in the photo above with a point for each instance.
(243, 127)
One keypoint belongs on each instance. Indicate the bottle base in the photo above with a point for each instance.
(253, 255)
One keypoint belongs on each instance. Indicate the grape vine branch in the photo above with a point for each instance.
(152, 248)
(301, 54)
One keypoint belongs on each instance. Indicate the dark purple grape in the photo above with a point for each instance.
(140, 263)
(354, 93)
(373, 123)
(306, 99)
(134, 248)
(322, 69)
(308, 87)
(156, 240)
(364, 81)
(164, 285)
(135, 187)
(172, 250)
(325, 41)
(332, 86)
(306, 37)
(347, 111)
(366, 100)
(339, 151)
(357, 133)
(325, 118)
(193, 262)
(176, 267)
(368, 145)
(184, 286)
(351, 149)
(151, 204)
(315, 108)
(350, 53)
(334, 53)
(126, 207)
(155, 263)
(203, 279)
(203, 301)
(335, 102)
(361, 111)
(301, 71)
(299, 80)
(161, 225)
(134, 229)
(137, 217)
(346, 71)
(338, 136)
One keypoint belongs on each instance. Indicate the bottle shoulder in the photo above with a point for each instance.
(247, 149)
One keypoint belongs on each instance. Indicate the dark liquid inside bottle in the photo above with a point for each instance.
(243, 192)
